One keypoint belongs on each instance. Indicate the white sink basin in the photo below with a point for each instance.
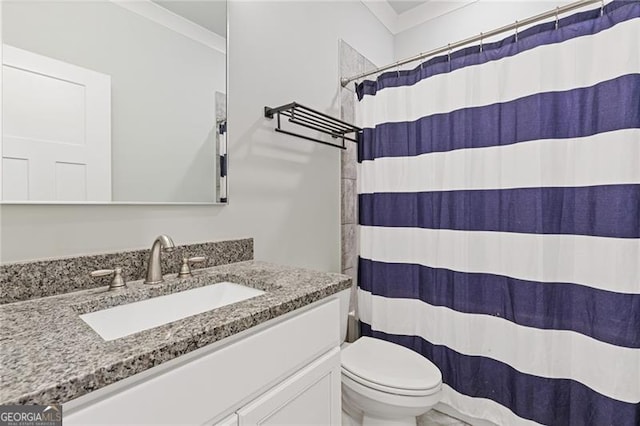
(123, 320)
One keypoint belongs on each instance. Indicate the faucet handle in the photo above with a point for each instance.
(197, 259)
(117, 283)
(185, 269)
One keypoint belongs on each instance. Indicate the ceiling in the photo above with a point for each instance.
(396, 15)
(401, 15)
(401, 6)
(209, 14)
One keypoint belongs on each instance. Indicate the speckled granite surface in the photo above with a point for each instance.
(28, 280)
(49, 355)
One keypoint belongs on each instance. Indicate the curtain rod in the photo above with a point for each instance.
(480, 37)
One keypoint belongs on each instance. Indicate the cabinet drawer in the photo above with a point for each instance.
(219, 382)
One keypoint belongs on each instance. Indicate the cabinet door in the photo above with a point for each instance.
(232, 420)
(309, 397)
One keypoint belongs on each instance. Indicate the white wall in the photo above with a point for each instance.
(284, 192)
(162, 87)
(468, 21)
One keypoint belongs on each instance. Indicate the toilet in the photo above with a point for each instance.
(386, 384)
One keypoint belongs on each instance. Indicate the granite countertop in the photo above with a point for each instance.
(48, 355)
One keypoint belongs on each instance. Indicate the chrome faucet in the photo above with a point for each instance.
(154, 267)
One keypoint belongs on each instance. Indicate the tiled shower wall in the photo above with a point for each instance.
(351, 63)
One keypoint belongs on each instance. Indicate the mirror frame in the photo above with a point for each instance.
(125, 203)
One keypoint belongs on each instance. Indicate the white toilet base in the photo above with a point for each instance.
(348, 420)
(366, 407)
(367, 399)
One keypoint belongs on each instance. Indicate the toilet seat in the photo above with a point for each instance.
(390, 368)
(388, 389)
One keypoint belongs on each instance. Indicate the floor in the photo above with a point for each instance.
(436, 418)
(432, 418)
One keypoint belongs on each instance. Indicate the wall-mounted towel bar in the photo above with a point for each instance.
(314, 120)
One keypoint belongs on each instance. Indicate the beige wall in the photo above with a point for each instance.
(284, 192)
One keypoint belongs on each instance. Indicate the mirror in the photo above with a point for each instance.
(113, 101)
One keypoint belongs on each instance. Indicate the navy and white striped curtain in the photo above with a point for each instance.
(499, 194)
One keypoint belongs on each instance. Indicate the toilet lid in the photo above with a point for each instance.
(390, 365)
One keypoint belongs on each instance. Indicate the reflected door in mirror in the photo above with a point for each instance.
(153, 133)
(56, 130)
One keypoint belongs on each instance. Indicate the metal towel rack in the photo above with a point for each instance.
(315, 120)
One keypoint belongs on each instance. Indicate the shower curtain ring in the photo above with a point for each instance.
(557, 20)
(481, 35)
(601, 7)
(449, 52)
(516, 31)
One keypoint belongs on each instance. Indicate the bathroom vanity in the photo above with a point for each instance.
(271, 359)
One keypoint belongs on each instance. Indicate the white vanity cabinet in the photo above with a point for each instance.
(285, 371)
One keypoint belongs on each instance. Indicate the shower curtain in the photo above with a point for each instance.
(499, 200)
